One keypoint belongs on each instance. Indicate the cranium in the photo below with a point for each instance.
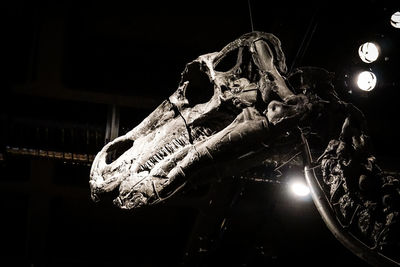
(209, 124)
(221, 121)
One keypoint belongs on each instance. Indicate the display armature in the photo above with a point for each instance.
(223, 120)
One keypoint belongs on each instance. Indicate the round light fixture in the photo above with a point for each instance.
(366, 80)
(299, 189)
(368, 52)
(395, 20)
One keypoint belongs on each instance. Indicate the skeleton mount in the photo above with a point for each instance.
(225, 120)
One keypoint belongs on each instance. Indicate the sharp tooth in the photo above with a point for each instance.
(169, 148)
(143, 167)
(159, 157)
(181, 142)
(185, 140)
(149, 165)
(166, 153)
(176, 143)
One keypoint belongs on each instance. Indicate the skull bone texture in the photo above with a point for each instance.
(220, 121)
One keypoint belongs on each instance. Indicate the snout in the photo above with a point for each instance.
(104, 165)
(149, 150)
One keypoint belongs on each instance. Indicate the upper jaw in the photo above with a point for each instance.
(159, 160)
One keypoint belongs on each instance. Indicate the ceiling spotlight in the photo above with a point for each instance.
(395, 20)
(366, 80)
(368, 52)
(299, 188)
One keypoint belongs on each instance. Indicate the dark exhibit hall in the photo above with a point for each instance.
(214, 175)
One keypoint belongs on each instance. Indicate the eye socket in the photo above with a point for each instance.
(240, 62)
(199, 88)
(228, 61)
(117, 149)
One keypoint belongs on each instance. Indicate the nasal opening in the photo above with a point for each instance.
(117, 149)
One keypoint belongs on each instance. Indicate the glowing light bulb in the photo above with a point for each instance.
(366, 80)
(300, 189)
(368, 52)
(395, 20)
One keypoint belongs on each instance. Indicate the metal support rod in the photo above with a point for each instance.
(306, 40)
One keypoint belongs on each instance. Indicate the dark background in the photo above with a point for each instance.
(67, 64)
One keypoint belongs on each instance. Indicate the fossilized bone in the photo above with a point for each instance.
(226, 121)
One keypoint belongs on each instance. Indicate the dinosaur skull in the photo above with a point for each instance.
(213, 124)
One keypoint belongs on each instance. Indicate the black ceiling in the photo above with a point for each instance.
(134, 49)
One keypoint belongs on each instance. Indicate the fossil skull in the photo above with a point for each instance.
(214, 123)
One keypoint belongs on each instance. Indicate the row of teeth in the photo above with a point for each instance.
(200, 133)
(165, 151)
